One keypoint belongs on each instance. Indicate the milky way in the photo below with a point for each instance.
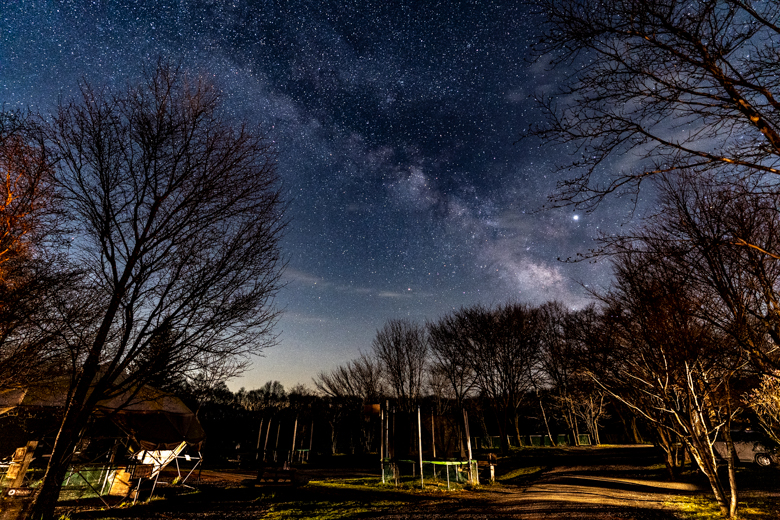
(396, 125)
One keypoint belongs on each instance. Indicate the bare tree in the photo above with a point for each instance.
(505, 349)
(33, 279)
(271, 397)
(725, 237)
(675, 85)
(670, 366)
(176, 218)
(450, 345)
(559, 364)
(764, 400)
(582, 329)
(347, 387)
(361, 377)
(402, 349)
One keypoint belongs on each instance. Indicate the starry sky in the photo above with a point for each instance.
(396, 124)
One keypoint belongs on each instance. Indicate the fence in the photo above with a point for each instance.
(440, 473)
(494, 442)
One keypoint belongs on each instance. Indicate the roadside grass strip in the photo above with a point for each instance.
(336, 499)
(530, 471)
(706, 508)
(326, 510)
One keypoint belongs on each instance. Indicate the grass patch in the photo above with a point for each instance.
(706, 508)
(325, 510)
(328, 510)
(521, 473)
(337, 499)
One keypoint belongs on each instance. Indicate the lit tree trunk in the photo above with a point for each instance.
(546, 424)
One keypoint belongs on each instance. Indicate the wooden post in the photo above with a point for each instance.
(311, 439)
(276, 446)
(391, 437)
(391, 447)
(388, 454)
(433, 436)
(295, 433)
(419, 443)
(473, 478)
(267, 434)
(259, 436)
(21, 460)
(433, 443)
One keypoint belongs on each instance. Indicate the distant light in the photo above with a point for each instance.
(576, 217)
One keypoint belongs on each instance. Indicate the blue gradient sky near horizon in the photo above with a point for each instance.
(396, 125)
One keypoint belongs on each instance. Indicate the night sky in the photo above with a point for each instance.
(396, 125)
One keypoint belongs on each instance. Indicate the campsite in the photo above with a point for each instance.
(533, 483)
(142, 460)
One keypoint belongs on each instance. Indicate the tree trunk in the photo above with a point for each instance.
(667, 445)
(571, 420)
(733, 460)
(546, 424)
(77, 412)
(638, 439)
(48, 492)
(705, 459)
(596, 437)
(503, 427)
(332, 437)
(576, 429)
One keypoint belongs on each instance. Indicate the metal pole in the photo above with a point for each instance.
(419, 443)
(382, 442)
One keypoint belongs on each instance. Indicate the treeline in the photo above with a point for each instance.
(682, 345)
(516, 369)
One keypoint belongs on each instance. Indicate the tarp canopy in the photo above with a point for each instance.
(153, 418)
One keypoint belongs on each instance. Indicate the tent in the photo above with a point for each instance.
(152, 418)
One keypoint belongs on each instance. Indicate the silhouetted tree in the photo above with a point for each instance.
(451, 347)
(725, 237)
(505, 343)
(671, 85)
(559, 364)
(178, 219)
(402, 351)
(34, 284)
(361, 377)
